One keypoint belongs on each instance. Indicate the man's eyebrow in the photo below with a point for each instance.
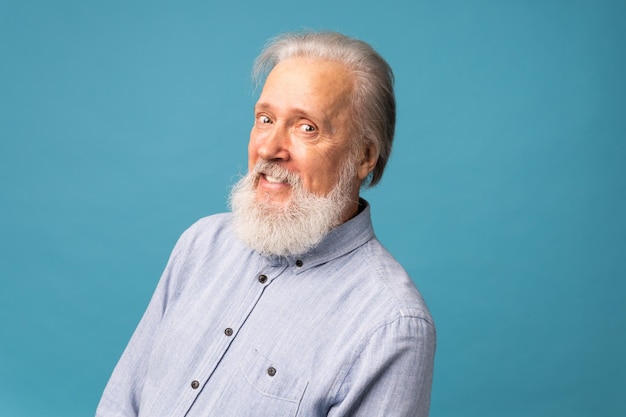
(295, 110)
(269, 106)
(262, 106)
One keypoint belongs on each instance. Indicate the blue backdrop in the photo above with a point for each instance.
(122, 122)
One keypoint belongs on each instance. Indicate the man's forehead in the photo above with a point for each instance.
(322, 72)
(306, 83)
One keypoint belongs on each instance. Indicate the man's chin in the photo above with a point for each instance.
(270, 201)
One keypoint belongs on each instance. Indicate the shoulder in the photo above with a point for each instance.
(209, 237)
(397, 293)
(393, 335)
(369, 287)
(398, 313)
(206, 229)
(209, 244)
(210, 224)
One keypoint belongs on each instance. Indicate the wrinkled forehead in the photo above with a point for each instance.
(308, 85)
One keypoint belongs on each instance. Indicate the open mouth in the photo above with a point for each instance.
(273, 180)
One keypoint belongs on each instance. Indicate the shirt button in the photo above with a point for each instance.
(195, 384)
(271, 371)
(262, 279)
(228, 331)
(298, 263)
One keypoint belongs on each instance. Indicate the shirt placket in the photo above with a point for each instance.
(258, 282)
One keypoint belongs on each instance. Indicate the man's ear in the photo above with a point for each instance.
(367, 161)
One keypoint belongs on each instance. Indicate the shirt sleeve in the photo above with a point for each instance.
(392, 375)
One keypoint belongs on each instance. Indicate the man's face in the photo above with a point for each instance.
(303, 123)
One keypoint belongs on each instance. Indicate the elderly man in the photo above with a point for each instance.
(289, 306)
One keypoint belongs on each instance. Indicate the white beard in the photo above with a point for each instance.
(295, 226)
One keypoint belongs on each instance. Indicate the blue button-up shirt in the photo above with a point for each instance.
(338, 331)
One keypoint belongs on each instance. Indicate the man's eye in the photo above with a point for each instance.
(263, 119)
(306, 128)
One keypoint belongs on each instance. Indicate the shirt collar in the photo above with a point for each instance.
(341, 240)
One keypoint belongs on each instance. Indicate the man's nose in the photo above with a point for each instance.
(275, 145)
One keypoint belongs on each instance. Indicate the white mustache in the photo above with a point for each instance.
(276, 171)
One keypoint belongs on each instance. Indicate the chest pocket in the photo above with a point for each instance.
(264, 387)
(273, 381)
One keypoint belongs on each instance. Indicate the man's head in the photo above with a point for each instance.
(324, 124)
(372, 101)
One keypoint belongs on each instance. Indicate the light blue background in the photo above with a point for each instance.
(122, 122)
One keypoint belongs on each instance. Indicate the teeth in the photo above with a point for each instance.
(273, 180)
